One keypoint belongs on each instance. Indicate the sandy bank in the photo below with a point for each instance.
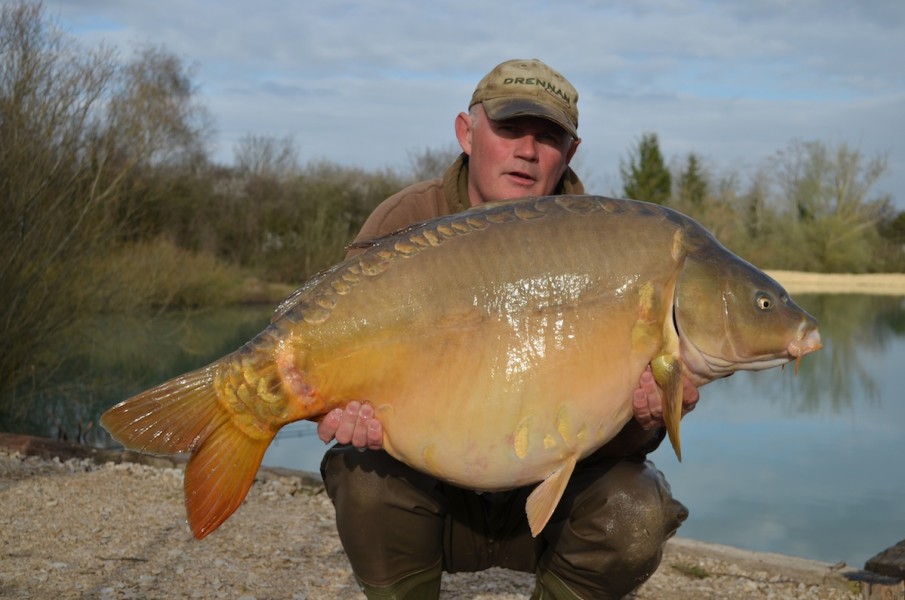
(798, 282)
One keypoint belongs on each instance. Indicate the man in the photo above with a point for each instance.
(401, 528)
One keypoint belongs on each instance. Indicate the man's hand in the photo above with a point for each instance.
(355, 425)
(648, 404)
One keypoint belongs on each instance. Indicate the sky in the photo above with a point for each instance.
(370, 84)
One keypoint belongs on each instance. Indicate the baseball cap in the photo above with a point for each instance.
(519, 88)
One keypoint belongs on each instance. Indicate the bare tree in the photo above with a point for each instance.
(827, 191)
(267, 157)
(431, 163)
(75, 126)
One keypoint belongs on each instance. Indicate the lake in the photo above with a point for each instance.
(809, 465)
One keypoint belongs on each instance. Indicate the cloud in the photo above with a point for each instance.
(732, 81)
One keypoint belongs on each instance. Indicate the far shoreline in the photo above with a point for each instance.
(799, 282)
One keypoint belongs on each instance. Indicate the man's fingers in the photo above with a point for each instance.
(355, 425)
(347, 423)
(326, 429)
(360, 427)
(375, 435)
(646, 402)
(641, 408)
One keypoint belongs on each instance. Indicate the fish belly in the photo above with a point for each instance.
(494, 401)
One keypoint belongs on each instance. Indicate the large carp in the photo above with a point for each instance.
(498, 346)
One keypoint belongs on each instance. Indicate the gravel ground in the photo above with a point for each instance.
(79, 529)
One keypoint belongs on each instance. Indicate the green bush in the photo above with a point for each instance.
(157, 274)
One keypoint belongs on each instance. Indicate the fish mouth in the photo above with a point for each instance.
(806, 344)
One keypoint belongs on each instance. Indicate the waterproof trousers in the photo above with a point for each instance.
(401, 528)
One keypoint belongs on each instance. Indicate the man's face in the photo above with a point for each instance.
(523, 156)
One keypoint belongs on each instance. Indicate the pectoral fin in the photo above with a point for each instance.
(668, 374)
(543, 500)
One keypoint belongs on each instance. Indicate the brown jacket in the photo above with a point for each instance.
(435, 198)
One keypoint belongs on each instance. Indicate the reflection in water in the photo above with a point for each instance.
(117, 356)
(854, 328)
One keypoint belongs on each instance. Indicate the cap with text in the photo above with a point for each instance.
(523, 88)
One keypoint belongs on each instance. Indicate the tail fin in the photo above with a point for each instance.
(185, 414)
(174, 417)
(219, 475)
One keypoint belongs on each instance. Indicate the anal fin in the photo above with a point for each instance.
(545, 497)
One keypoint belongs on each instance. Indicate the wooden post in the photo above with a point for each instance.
(884, 575)
(890, 562)
(878, 587)
(883, 591)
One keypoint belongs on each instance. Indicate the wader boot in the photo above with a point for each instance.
(551, 587)
(422, 585)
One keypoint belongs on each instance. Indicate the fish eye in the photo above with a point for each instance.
(764, 301)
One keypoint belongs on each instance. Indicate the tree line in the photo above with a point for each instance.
(811, 206)
(111, 202)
